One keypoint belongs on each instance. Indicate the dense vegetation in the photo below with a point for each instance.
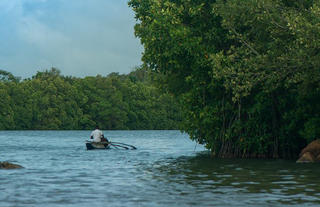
(51, 101)
(247, 72)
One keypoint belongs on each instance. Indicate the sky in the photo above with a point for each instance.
(79, 37)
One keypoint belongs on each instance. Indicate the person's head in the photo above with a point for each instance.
(97, 127)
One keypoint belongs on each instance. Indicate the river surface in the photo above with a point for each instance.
(167, 169)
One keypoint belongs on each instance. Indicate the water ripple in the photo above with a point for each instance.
(164, 171)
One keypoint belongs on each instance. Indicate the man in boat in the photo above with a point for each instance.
(97, 135)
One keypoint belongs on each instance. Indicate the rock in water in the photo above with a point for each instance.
(311, 153)
(306, 158)
(8, 165)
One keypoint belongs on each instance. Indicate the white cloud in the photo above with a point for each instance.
(9, 5)
(79, 37)
(16, 6)
(39, 34)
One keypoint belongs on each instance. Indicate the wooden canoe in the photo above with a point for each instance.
(97, 145)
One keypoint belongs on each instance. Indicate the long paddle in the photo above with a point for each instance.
(119, 143)
(115, 145)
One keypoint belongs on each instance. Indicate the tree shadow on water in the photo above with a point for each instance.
(281, 181)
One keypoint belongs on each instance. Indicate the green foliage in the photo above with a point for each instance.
(6, 114)
(247, 72)
(52, 101)
(7, 76)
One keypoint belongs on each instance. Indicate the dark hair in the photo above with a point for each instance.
(97, 127)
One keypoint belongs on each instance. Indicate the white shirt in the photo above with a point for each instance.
(96, 134)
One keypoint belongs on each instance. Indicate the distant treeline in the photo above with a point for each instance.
(49, 100)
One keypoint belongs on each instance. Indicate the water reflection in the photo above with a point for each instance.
(252, 181)
(165, 170)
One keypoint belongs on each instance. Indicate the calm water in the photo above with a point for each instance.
(167, 169)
